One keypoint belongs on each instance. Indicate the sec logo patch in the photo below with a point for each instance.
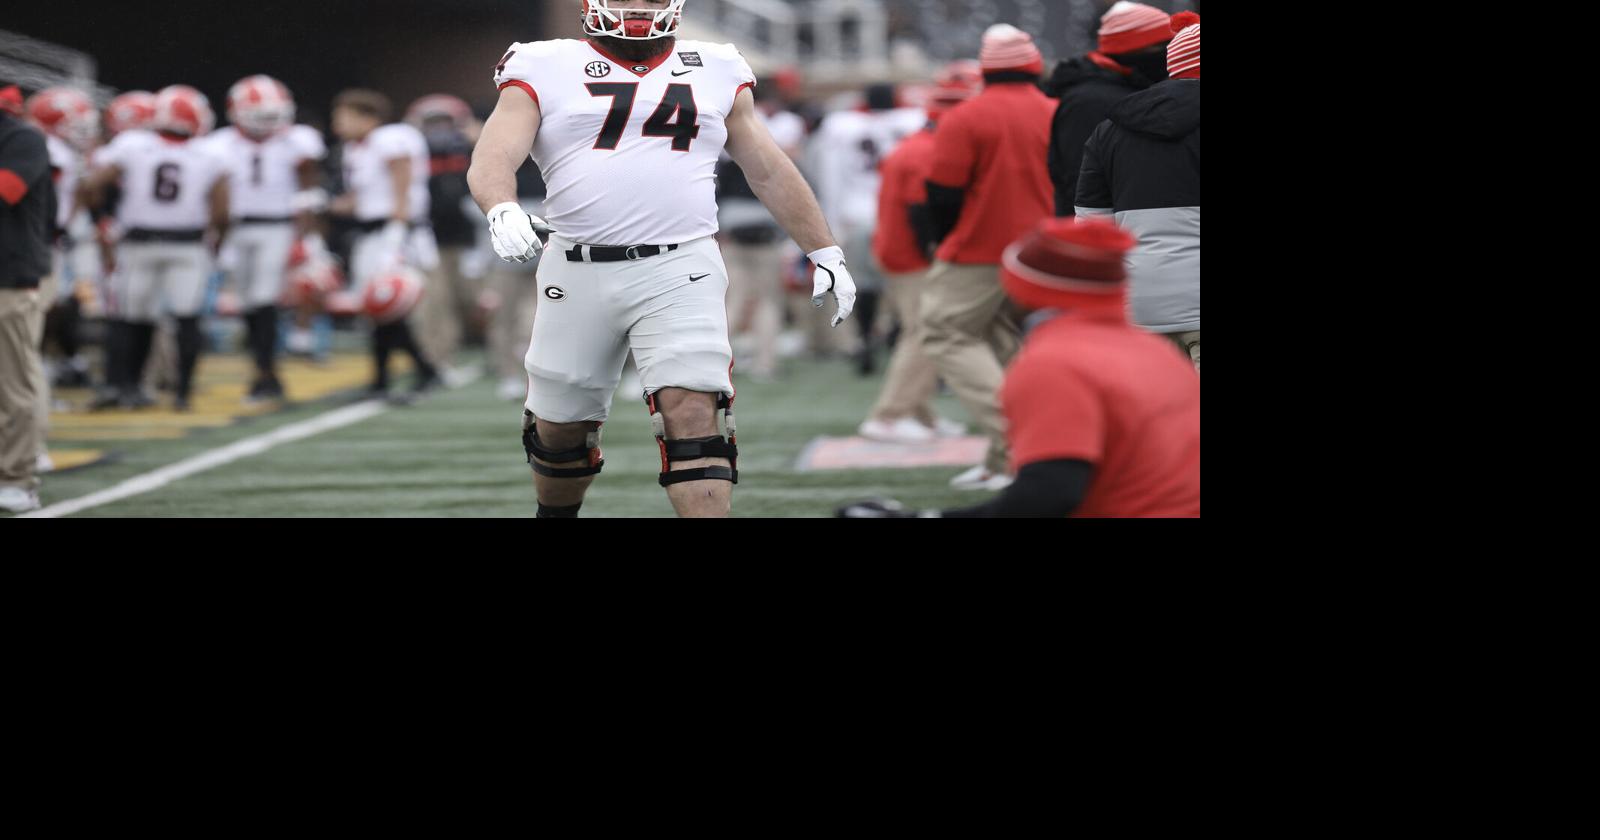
(598, 69)
(555, 293)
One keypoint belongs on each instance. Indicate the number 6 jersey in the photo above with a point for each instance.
(166, 183)
(629, 149)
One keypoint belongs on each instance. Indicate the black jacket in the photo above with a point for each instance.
(1087, 91)
(26, 228)
(1143, 165)
(449, 158)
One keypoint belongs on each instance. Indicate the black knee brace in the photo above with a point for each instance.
(691, 449)
(589, 452)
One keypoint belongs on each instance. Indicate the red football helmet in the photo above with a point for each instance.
(439, 105)
(135, 109)
(184, 111)
(601, 20)
(955, 84)
(11, 100)
(66, 113)
(259, 106)
(393, 294)
(313, 276)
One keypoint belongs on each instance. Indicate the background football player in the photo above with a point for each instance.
(626, 127)
(275, 193)
(174, 215)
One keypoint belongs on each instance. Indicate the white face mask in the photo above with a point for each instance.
(602, 20)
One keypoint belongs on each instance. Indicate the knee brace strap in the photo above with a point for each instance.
(690, 449)
(589, 452)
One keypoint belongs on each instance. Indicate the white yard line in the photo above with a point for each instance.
(246, 448)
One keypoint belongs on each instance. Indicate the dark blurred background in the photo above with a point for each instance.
(405, 48)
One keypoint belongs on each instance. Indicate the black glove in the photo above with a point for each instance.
(882, 509)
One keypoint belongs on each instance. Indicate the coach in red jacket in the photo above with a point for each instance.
(990, 183)
(1104, 417)
(901, 246)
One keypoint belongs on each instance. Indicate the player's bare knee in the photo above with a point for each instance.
(687, 414)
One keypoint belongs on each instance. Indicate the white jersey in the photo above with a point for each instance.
(629, 150)
(265, 173)
(366, 172)
(68, 166)
(166, 183)
(845, 155)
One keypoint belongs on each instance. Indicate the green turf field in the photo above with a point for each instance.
(459, 454)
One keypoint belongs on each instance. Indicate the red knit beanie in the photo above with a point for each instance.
(1006, 47)
(1071, 263)
(1183, 54)
(1129, 26)
(11, 100)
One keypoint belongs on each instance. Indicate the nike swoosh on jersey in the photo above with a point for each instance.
(684, 73)
(693, 278)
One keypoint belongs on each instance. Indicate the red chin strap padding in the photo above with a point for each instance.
(637, 27)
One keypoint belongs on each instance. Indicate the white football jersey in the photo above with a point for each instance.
(366, 171)
(845, 156)
(166, 183)
(68, 166)
(629, 150)
(265, 173)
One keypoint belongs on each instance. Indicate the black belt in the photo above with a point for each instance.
(593, 253)
(266, 220)
(147, 235)
(379, 224)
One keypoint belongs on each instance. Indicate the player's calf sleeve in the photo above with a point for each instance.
(118, 347)
(261, 324)
(188, 353)
(143, 339)
(537, 452)
(693, 449)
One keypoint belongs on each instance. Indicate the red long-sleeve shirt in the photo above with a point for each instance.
(904, 185)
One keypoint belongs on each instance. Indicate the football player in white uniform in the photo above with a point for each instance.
(174, 214)
(626, 127)
(275, 191)
(386, 189)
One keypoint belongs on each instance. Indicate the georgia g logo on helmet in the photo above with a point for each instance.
(603, 18)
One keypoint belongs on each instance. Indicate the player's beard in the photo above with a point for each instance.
(629, 50)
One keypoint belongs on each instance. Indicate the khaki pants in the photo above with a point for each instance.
(912, 379)
(511, 321)
(1189, 343)
(755, 298)
(446, 307)
(972, 331)
(49, 287)
(21, 314)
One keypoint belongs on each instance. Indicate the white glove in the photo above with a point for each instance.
(515, 233)
(832, 276)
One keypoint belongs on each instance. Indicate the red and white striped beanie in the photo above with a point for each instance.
(1006, 47)
(1129, 26)
(1183, 54)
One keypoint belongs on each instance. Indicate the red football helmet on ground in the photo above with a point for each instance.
(66, 113)
(601, 20)
(439, 105)
(184, 111)
(132, 110)
(259, 106)
(313, 276)
(393, 294)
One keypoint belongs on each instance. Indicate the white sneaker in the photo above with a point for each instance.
(979, 478)
(43, 463)
(947, 428)
(18, 500)
(512, 389)
(904, 430)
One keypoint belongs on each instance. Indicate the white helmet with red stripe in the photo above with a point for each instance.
(313, 275)
(260, 106)
(132, 110)
(66, 113)
(393, 294)
(182, 110)
(603, 19)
